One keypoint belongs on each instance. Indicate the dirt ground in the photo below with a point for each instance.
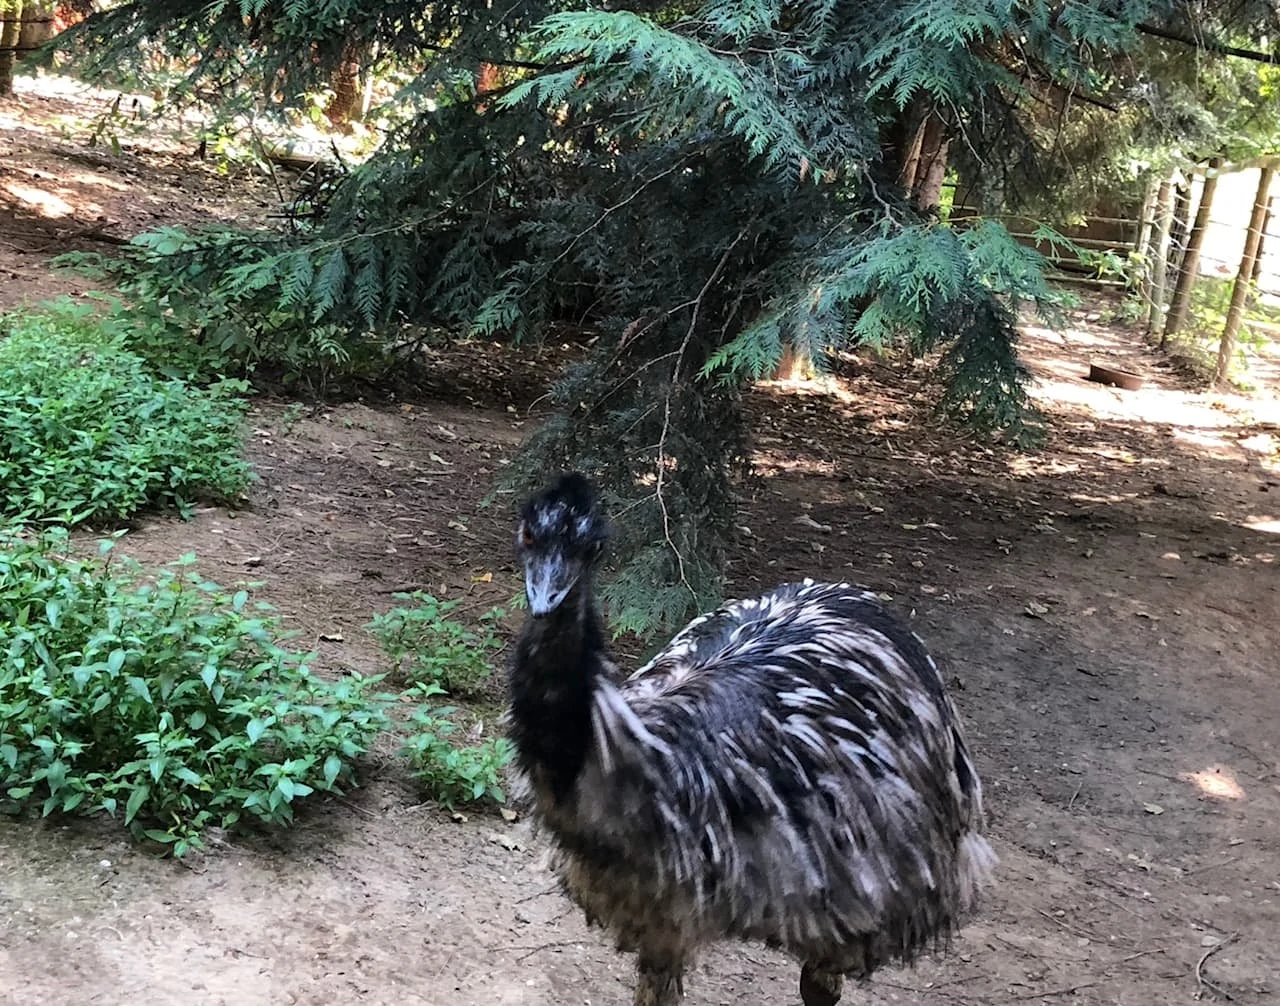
(1105, 608)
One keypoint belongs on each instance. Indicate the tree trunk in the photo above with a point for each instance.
(931, 169)
(10, 30)
(488, 79)
(795, 365)
(345, 83)
(37, 24)
(922, 159)
(1190, 268)
(911, 158)
(1240, 292)
(1158, 269)
(1178, 228)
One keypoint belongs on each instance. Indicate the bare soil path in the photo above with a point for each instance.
(1106, 608)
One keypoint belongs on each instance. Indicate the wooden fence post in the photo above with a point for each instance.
(1240, 292)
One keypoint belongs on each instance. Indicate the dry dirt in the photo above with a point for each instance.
(1105, 608)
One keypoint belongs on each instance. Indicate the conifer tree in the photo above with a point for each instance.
(703, 182)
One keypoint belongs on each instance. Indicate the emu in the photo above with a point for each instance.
(789, 770)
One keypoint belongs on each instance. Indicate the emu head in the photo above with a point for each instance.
(559, 539)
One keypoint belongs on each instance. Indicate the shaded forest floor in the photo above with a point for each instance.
(1105, 608)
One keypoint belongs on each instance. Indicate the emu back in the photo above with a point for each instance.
(790, 770)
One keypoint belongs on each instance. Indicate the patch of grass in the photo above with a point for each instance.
(427, 647)
(89, 433)
(168, 700)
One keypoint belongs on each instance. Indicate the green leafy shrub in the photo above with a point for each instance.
(426, 647)
(88, 432)
(171, 701)
(453, 775)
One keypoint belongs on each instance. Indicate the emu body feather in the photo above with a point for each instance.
(788, 770)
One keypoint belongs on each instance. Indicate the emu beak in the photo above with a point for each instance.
(547, 582)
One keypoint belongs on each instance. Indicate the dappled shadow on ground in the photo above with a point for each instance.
(80, 173)
(1104, 607)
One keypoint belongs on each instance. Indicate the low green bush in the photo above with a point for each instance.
(452, 775)
(427, 647)
(89, 433)
(169, 700)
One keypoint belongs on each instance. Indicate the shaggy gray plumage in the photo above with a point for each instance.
(788, 770)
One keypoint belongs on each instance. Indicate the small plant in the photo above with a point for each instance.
(453, 775)
(89, 433)
(290, 416)
(426, 647)
(168, 700)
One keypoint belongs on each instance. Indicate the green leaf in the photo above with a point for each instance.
(139, 687)
(254, 729)
(332, 767)
(136, 799)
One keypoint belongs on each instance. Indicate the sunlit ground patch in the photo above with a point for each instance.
(47, 203)
(1265, 523)
(1216, 782)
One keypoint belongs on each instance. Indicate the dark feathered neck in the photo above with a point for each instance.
(558, 660)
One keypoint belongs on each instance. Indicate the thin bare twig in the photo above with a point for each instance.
(1066, 990)
(666, 410)
(555, 945)
(1202, 982)
(617, 206)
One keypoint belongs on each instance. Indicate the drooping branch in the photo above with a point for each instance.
(1210, 45)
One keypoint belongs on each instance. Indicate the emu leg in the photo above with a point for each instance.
(820, 988)
(658, 984)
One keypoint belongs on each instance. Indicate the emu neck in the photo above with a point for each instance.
(559, 658)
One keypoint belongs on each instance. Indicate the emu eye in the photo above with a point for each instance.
(525, 536)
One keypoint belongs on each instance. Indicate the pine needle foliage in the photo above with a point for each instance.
(702, 182)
